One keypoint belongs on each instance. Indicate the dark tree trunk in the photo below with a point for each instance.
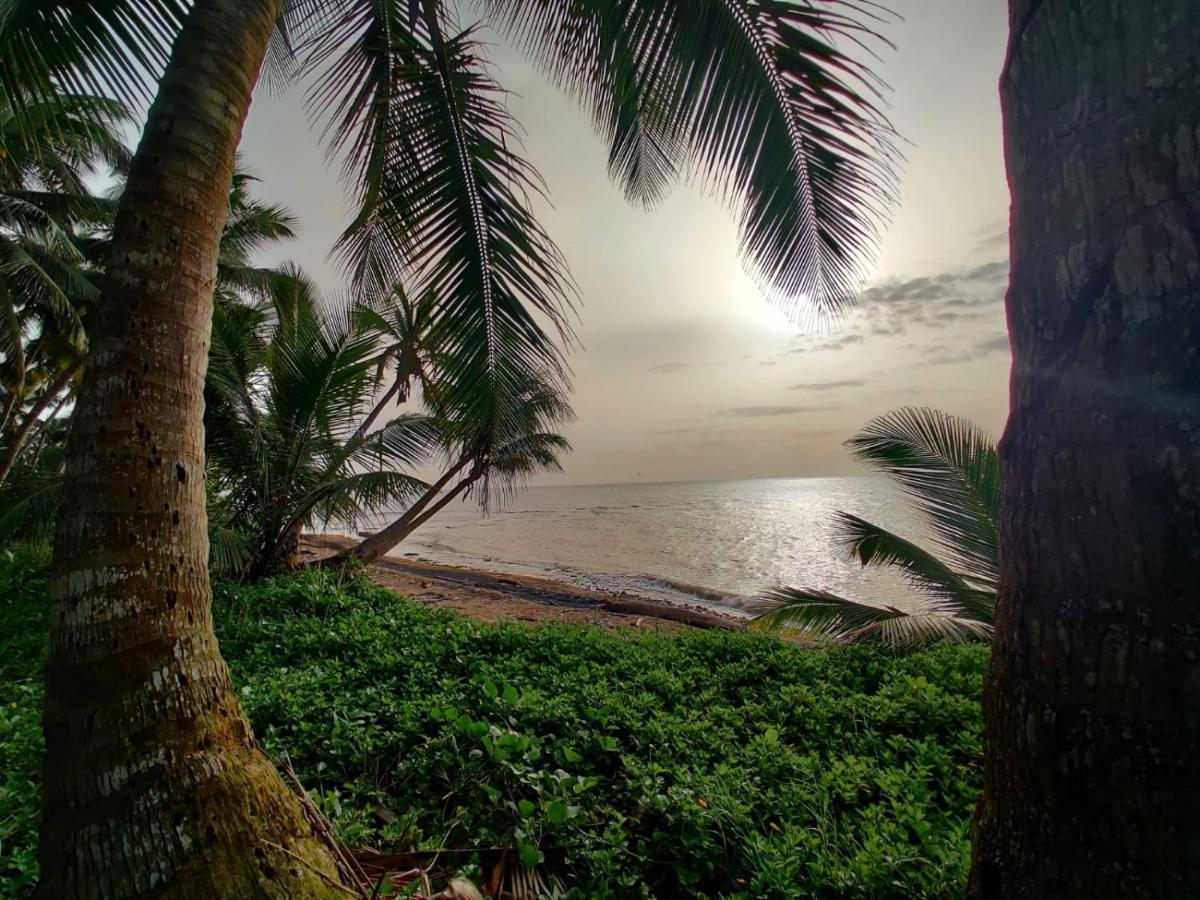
(154, 786)
(1092, 787)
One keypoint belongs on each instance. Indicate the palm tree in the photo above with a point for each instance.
(950, 470)
(54, 296)
(1092, 696)
(756, 99)
(403, 326)
(286, 390)
(481, 460)
(48, 148)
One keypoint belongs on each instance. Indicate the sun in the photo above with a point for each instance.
(762, 309)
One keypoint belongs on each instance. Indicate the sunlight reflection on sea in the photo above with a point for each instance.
(713, 543)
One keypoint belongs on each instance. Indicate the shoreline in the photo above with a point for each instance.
(496, 596)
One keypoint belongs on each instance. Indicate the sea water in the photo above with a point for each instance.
(715, 544)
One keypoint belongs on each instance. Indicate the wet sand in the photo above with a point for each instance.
(493, 596)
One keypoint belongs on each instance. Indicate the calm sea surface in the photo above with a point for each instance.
(714, 543)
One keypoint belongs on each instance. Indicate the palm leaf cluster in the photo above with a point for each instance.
(949, 469)
(766, 102)
(50, 243)
(288, 385)
(430, 152)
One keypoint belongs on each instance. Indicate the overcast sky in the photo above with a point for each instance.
(685, 371)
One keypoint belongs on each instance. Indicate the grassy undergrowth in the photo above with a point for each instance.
(706, 764)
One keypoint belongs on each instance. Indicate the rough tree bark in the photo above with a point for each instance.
(1092, 787)
(154, 785)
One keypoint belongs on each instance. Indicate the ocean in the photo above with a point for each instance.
(716, 544)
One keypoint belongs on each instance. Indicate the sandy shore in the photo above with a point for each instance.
(493, 596)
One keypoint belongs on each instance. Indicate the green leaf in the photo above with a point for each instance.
(557, 812)
(528, 853)
(526, 808)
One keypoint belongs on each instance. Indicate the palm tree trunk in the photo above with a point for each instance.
(153, 783)
(13, 451)
(384, 540)
(442, 503)
(388, 396)
(42, 429)
(1093, 701)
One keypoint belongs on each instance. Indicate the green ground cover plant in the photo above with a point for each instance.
(636, 764)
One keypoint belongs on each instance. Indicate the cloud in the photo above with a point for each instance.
(993, 271)
(756, 412)
(992, 237)
(942, 355)
(826, 385)
(664, 368)
(807, 345)
(946, 301)
(997, 344)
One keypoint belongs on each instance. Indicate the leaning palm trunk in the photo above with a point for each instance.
(373, 547)
(33, 420)
(1091, 787)
(154, 785)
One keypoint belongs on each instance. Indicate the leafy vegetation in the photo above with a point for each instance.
(950, 470)
(634, 764)
(288, 383)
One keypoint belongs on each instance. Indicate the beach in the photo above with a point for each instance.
(500, 596)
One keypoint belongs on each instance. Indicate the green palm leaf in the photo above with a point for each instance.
(116, 47)
(946, 591)
(821, 613)
(430, 148)
(826, 615)
(951, 470)
(755, 97)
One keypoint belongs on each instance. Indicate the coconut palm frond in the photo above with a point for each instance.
(229, 551)
(947, 591)
(921, 629)
(826, 615)
(432, 154)
(287, 386)
(950, 469)
(93, 47)
(821, 613)
(28, 498)
(762, 100)
(252, 224)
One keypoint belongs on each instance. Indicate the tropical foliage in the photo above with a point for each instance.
(763, 103)
(288, 384)
(57, 243)
(634, 764)
(950, 470)
(50, 241)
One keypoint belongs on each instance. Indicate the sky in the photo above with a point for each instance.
(684, 370)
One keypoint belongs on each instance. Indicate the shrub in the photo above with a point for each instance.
(642, 764)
